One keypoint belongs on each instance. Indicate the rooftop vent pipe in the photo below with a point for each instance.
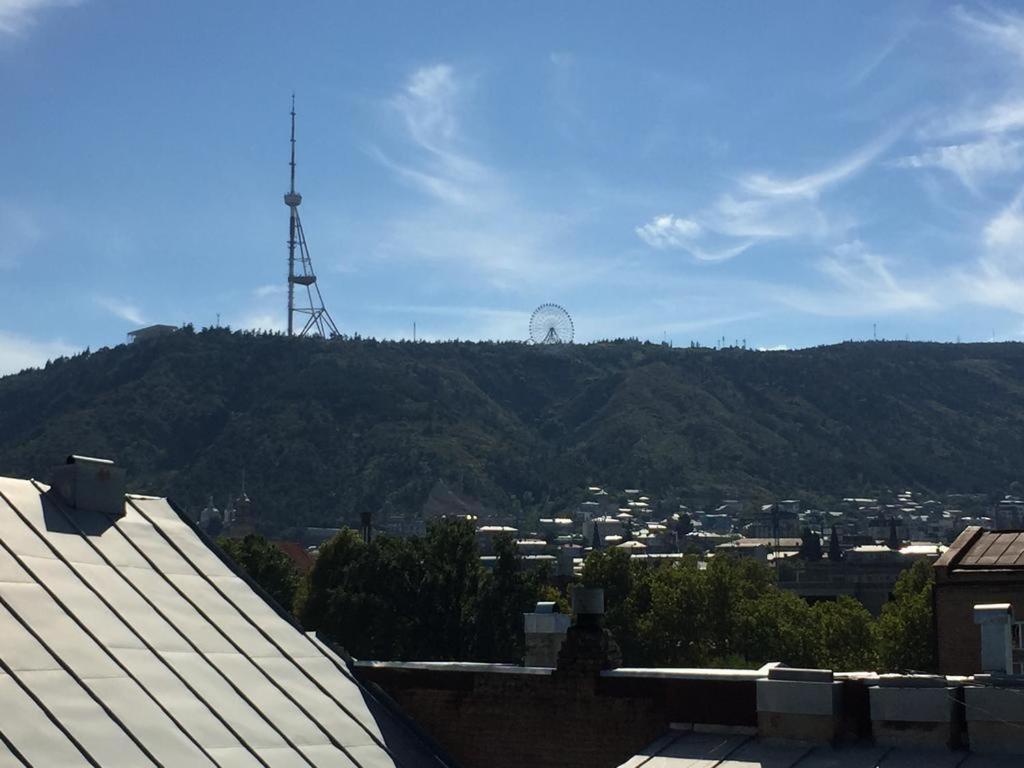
(93, 485)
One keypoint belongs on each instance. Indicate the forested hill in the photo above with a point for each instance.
(326, 429)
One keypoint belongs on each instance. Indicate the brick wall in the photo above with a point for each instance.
(958, 639)
(511, 719)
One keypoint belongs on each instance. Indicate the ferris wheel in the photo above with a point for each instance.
(551, 324)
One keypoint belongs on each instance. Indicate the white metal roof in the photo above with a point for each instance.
(730, 749)
(130, 642)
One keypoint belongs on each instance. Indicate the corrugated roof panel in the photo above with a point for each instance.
(222, 615)
(197, 718)
(265, 618)
(328, 757)
(151, 544)
(165, 740)
(145, 647)
(696, 750)
(326, 674)
(339, 724)
(31, 732)
(265, 696)
(42, 514)
(104, 739)
(246, 721)
(994, 549)
(161, 515)
(978, 550)
(58, 632)
(1000, 542)
(134, 609)
(372, 757)
(235, 757)
(7, 758)
(82, 602)
(21, 539)
(289, 758)
(688, 749)
(21, 651)
(11, 570)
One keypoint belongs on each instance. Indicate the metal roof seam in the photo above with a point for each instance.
(7, 670)
(266, 636)
(173, 626)
(88, 632)
(14, 751)
(241, 651)
(98, 700)
(368, 692)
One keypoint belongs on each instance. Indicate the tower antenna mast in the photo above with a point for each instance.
(310, 311)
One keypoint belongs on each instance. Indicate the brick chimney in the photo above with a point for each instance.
(588, 648)
(93, 485)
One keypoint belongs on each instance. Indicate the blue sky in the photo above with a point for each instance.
(785, 173)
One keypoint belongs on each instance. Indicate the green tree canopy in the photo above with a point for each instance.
(267, 565)
(904, 630)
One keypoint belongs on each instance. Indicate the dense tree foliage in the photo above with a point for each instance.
(731, 613)
(421, 598)
(430, 598)
(326, 430)
(266, 565)
(905, 628)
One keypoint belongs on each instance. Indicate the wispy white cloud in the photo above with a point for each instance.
(971, 162)
(20, 352)
(673, 232)
(763, 207)
(813, 184)
(474, 218)
(993, 26)
(427, 105)
(867, 67)
(121, 309)
(668, 231)
(18, 16)
(861, 283)
(988, 111)
(1005, 231)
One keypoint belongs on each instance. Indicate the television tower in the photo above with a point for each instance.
(310, 312)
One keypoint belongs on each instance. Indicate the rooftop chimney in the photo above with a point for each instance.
(93, 485)
(588, 647)
(544, 631)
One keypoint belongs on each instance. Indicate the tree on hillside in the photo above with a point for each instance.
(904, 630)
(267, 565)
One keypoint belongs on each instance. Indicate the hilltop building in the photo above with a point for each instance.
(151, 332)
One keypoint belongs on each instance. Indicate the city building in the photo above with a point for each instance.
(980, 567)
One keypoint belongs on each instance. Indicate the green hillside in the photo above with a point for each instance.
(326, 429)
